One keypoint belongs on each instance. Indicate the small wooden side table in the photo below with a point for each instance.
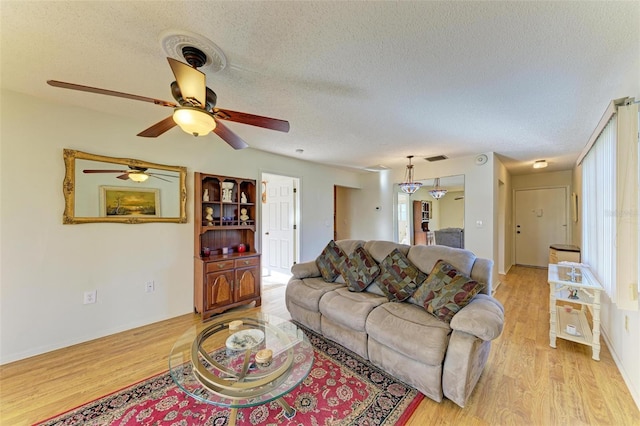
(574, 283)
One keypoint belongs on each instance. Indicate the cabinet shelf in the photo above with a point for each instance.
(206, 228)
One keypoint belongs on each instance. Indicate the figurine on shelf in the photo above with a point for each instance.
(205, 196)
(227, 191)
(209, 215)
(244, 217)
(573, 293)
(243, 198)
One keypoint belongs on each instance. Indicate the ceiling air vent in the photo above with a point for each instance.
(437, 158)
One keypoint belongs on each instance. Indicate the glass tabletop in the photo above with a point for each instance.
(577, 276)
(225, 361)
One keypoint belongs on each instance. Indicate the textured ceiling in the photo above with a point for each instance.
(362, 83)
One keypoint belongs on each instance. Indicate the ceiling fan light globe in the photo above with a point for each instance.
(138, 177)
(194, 121)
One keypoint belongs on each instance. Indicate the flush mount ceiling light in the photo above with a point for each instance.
(409, 186)
(195, 121)
(437, 192)
(540, 164)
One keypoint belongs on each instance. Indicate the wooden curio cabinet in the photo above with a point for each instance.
(225, 223)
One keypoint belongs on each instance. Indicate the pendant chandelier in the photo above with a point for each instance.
(409, 186)
(437, 192)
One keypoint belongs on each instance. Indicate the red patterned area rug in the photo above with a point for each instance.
(341, 389)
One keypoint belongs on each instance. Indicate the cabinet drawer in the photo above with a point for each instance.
(248, 261)
(218, 266)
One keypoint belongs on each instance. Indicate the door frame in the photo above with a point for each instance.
(294, 212)
(567, 201)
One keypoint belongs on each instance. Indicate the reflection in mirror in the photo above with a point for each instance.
(423, 219)
(122, 190)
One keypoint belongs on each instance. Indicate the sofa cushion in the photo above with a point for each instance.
(446, 291)
(359, 269)
(349, 309)
(425, 258)
(305, 270)
(399, 278)
(307, 293)
(380, 249)
(409, 330)
(329, 261)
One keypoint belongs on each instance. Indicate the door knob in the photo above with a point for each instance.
(266, 233)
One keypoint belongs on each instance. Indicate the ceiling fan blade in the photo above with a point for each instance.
(104, 171)
(229, 137)
(252, 120)
(81, 88)
(154, 176)
(161, 174)
(124, 176)
(192, 82)
(158, 128)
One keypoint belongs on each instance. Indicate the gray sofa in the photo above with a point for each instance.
(451, 237)
(437, 358)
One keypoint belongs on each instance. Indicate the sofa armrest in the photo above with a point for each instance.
(305, 270)
(483, 318)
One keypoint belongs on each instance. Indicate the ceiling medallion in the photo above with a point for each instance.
(172, 42)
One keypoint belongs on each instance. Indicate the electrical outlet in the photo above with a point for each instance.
(149, 287)
(90, 297)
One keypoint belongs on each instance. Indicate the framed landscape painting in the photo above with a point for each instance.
(122, 201)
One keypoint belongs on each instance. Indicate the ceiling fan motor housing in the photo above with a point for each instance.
(212, 98)
(194, 56)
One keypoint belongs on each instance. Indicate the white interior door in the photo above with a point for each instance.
(541, 220)
(278, 224)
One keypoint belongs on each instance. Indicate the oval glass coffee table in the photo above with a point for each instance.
(215, 362)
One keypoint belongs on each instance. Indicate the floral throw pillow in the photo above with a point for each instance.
(330, 260)
(446, 291)
(399, 278)
(359, 269)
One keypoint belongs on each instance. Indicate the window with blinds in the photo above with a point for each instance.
(610, 179)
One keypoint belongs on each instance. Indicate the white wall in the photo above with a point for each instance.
(45, 266)
(542, 180)
(504, 231)
(451, 211)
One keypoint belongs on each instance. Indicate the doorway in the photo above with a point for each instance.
(541, 220)
(280, 226)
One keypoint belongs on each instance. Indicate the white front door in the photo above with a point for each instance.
(541, 220)
(278, 224)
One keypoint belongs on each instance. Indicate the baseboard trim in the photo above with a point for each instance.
(625, 376)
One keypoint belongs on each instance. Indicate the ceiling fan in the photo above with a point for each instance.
(136, 174)
(195, 111)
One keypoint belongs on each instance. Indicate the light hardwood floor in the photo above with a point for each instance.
(526, 382)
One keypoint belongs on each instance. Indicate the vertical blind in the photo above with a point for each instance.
(610, 179)
(598, 206)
